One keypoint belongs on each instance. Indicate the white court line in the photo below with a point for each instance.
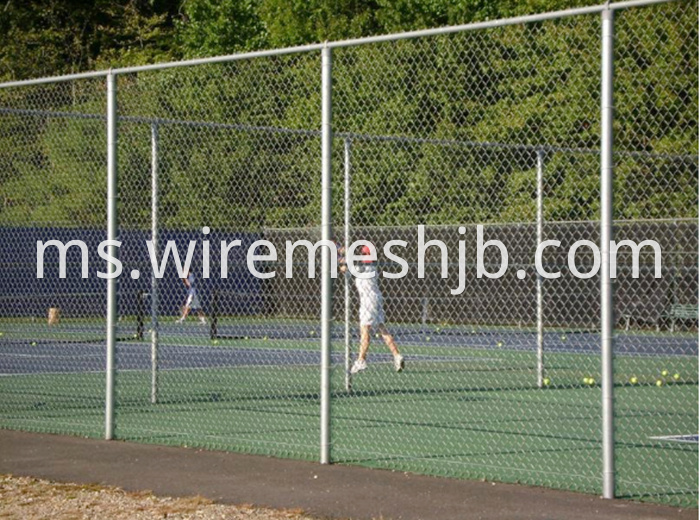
(418, 357)
(687, 439)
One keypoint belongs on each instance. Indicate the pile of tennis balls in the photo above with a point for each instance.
(665, 374)
(659, 381)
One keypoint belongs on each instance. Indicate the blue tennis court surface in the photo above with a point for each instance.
(189, 347)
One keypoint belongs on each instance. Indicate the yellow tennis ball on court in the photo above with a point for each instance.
(377, 335)
(33, 343)
(427, 338)
(216, 342)
(265, 338)
(585, 380)
(563, 337)
(500, 343)
(676, 376)
(246, 337)
(634, 380)
(664, 373)
(312, 332)
(546, 381)
(659, 382)
(591, 381)
(2, 333)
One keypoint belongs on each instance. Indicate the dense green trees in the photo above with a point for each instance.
(229, 155)
(50, 37)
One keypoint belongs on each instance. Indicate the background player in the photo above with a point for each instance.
(192, 301)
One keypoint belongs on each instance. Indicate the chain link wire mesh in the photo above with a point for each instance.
(235, 362)
(52, 158)
(480, 135)
(502, 381)
(656, 350)
(474, 126)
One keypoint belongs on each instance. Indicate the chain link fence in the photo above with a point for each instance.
(486, 133)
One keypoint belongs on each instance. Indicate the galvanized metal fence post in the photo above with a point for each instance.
(540, 299)
(606, 234)
(326, 234)
(112, 199)
(347, 279)
(154, 280)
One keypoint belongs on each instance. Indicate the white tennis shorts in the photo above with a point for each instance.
(371, 311)
(193, 301)
(371, 302)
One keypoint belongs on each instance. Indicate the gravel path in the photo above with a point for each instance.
(29, 498)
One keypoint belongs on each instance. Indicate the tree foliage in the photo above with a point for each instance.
(232, 155)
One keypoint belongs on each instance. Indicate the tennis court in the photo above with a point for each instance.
(461, 393)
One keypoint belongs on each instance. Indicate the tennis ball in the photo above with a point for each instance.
(2, 333)
(546, 381)
(427, 338)
(134, 335)
(377, 335)
(33, 343)
(500, 343)
(634, 380)
(312, 332)
(216, 342)
(676, 376)
(664, 373)
(563, 337)
(265, 338)
(591, 381)
(437, 329)
(246, 337)
(659, 382)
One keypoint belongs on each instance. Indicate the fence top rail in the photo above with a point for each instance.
(488, 24)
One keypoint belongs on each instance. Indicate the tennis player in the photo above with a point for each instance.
(192, 302)
(372, 315)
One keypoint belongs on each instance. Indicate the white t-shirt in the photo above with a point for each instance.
(368, 287)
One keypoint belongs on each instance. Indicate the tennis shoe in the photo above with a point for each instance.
(360, 364)
(398, 362)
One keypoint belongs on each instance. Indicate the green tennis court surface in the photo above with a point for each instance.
(466, 406)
